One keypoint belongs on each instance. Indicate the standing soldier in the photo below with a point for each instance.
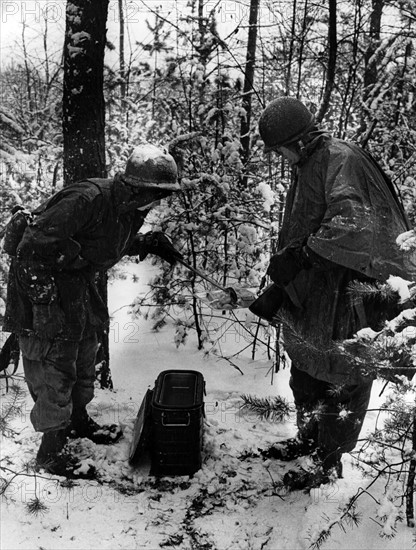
(53, 303)
(341, 219)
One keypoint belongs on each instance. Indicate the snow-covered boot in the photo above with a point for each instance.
(289, 449)
(82, 425)
(55, 459)
(324, 469)
(51, 444)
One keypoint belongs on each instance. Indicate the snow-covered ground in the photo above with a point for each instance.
(231, 503)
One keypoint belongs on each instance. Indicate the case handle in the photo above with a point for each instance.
(186, 423)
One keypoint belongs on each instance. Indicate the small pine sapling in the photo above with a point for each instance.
(276, 409)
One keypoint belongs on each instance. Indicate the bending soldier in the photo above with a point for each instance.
(53, 302)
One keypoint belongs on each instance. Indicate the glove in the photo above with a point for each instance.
(286, 264)
(48, 320)
(155, 242)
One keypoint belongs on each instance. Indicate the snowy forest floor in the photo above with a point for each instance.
(231, 503)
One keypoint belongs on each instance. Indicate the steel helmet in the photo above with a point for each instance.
(284, 121)
(150, 167)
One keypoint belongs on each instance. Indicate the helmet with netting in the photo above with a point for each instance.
(284, 121)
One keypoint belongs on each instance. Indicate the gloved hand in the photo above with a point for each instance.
(48, 320)
(286, 264)
(156, 242)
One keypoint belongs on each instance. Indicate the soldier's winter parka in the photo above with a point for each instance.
(342, 208)
(341, 221)
(83, 229)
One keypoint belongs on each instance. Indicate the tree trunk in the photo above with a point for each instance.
(288, 78)
(350, 87)
(370, 72)
(371, 63)
(121, 51)
(302, 43)
(84, 114)
(408, 58)
(332, 59)
(83, 99)
(31, 102)
(248, 80)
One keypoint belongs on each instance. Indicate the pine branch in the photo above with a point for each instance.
(378, 291)
(35, 507)
(348, 516)
(276, 409)
(316, 347)
(12, 408)
(387, 353)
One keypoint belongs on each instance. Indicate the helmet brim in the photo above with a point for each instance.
(269, 149)
(173, 187)
(292, 139)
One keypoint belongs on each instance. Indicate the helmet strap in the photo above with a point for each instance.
(302, 148)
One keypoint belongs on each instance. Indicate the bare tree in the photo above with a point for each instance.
(371, 65)
(332, 59)
(249, 79)
(122, 62)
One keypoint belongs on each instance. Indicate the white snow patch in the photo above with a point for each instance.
(232, 503)
(401, 286)
(268, 194)
(367, 333)
(407, 240)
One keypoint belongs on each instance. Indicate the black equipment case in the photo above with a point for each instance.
(173, 413)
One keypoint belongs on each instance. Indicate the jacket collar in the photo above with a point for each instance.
(122, 196)
(312, 142)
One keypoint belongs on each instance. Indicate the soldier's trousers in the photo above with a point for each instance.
(60, 375)
(331, 416)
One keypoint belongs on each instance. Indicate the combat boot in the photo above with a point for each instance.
(289, 449)
(325, 468)
(51, 444)
(55, 459)
(82, 425)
